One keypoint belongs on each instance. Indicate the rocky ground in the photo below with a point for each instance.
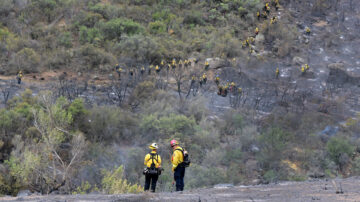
(316, 190)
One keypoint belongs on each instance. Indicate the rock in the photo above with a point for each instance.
(222, 186)
(339, 76)
(298, 60)
(79, 73)
(254, 148)
(259, 39)
(55, 193)
(330, 130)
(23, 193)
(215, 63)
(255, 182)
(95, 192)
(21, 4)
(338, 65)
(316, 174)
(95, 77)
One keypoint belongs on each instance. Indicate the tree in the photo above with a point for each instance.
(48, 164)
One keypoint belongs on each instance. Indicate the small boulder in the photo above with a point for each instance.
(298, 60)
(95, 77)
(215, 63)
(23, 193)
(316, 174)
(259, 39)
(223, 186)
(337, 65)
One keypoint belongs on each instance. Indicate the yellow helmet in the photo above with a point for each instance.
(153, 146)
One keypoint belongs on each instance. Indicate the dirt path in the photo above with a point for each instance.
(321, 190)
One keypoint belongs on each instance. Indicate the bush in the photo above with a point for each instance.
(65, 40)
(95, 58)
(106, 10)
(115, 28)
(194, 18)
(273, 145)
(157, 27)
(90, 35)
(143, 92)
(28, 60)
(109, 124)
(139, 47)
(203, 176)
(337, 148)
(114, 183)
(270, 176)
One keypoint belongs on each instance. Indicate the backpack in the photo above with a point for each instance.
(153, 170)
(186, 162)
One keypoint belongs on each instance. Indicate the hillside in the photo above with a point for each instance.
(285, 105)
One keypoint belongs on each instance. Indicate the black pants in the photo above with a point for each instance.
(150, 178)
(179, 175)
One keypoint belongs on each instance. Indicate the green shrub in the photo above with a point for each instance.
(273, 146)
(115, 28)
(65, 40)
(194, 18)
(139, 47)
(271, 176)
(114, 182)
(28, 60)
(95, 58)
(110, 124)
(85, 188)
(88, 19)
(157, 27)
(90, 35)
(203, 176)
(164, 15)
(108, 11)
(356, 166)
(337, 147)
(143, 92)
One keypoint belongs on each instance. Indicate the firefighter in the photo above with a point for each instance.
(19, 76)
(206, 65)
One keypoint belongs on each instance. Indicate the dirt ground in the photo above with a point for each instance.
(317, 190)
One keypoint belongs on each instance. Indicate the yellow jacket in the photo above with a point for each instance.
(148, 161)
(177, 158)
